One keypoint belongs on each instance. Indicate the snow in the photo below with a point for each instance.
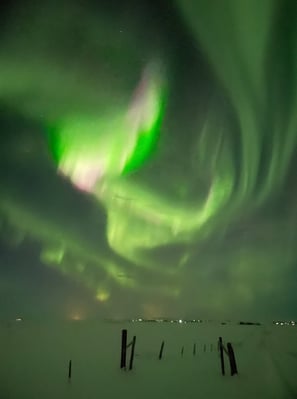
(34, 360)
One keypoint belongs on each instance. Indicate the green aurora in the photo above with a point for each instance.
(170, 154)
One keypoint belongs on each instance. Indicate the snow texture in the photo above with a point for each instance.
(34, 359)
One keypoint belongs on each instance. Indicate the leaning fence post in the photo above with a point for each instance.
(161, 350)
(123, 349)
(232, 360)
(132, 353)
(221, 355)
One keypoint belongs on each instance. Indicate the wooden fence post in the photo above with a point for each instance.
(161, 350)
(221, 355)
(123, 349)
(232, 360)
(69, 370)
(132, 353)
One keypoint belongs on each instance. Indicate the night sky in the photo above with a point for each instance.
(148, 159)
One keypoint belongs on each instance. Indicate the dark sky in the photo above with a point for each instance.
(148, 159)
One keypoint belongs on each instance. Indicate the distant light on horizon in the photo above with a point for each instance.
(77, 317)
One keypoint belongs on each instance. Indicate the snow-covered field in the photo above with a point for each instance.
(34, 361)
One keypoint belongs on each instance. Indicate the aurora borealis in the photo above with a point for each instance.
(148, 157)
